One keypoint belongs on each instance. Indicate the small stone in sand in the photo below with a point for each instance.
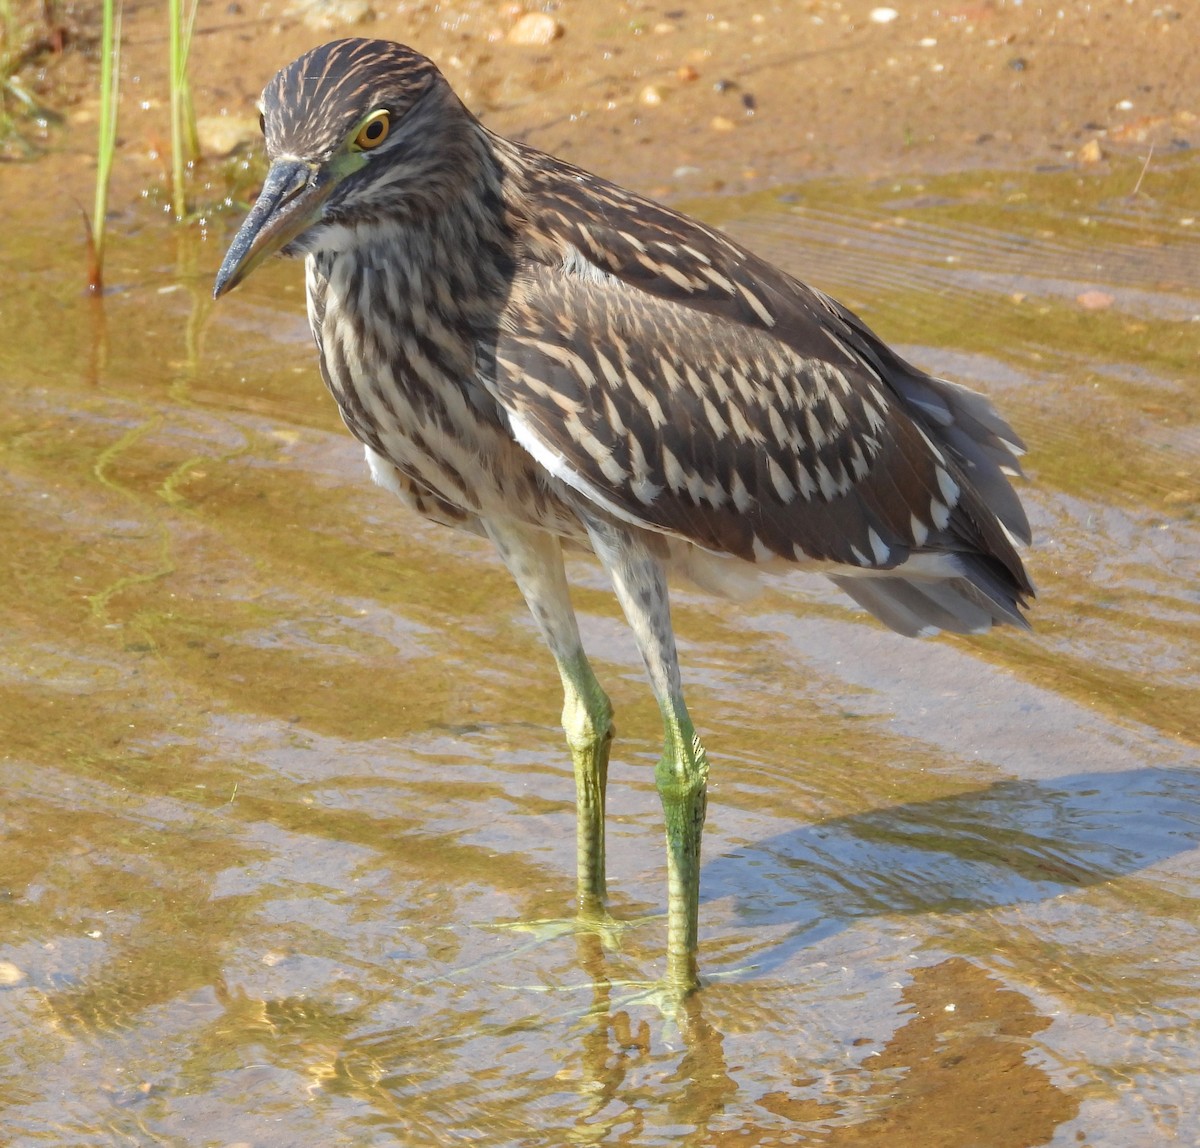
(536, 29)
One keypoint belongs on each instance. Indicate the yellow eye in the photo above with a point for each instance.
(374, 131)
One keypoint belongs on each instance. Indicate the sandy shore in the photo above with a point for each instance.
(682, 100)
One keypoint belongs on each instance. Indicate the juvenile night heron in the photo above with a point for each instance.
(536, 355)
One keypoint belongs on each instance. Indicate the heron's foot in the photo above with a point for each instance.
(592, 922)
(675, 1002)
(662, 996)
(613, 995)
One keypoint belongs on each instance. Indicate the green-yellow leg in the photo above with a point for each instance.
(682, 779)
(535, 560)
(682, 773)
(587, 722)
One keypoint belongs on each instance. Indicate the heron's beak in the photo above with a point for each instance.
(290, 201)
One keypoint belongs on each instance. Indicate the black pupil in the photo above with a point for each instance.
(374, 130)
(262, 123)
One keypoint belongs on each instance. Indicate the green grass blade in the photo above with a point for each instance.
(106, 137)
(184, 142)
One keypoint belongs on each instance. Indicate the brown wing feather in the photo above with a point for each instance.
(704, 392)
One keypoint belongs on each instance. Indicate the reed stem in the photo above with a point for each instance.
(106, 136)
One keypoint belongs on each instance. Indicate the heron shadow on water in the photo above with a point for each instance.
(1014, 842)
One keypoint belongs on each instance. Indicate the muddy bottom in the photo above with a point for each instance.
(288, 832)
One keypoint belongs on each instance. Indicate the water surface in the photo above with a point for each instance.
(281, 763)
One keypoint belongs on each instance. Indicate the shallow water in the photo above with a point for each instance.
(282, 766)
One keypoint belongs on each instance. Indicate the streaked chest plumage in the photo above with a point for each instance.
(401, 359)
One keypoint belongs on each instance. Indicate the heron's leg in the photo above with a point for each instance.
(682, 773)
(535, 561)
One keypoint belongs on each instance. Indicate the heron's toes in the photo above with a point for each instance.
(597, 923)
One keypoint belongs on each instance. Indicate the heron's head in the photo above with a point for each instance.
(357, 131)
